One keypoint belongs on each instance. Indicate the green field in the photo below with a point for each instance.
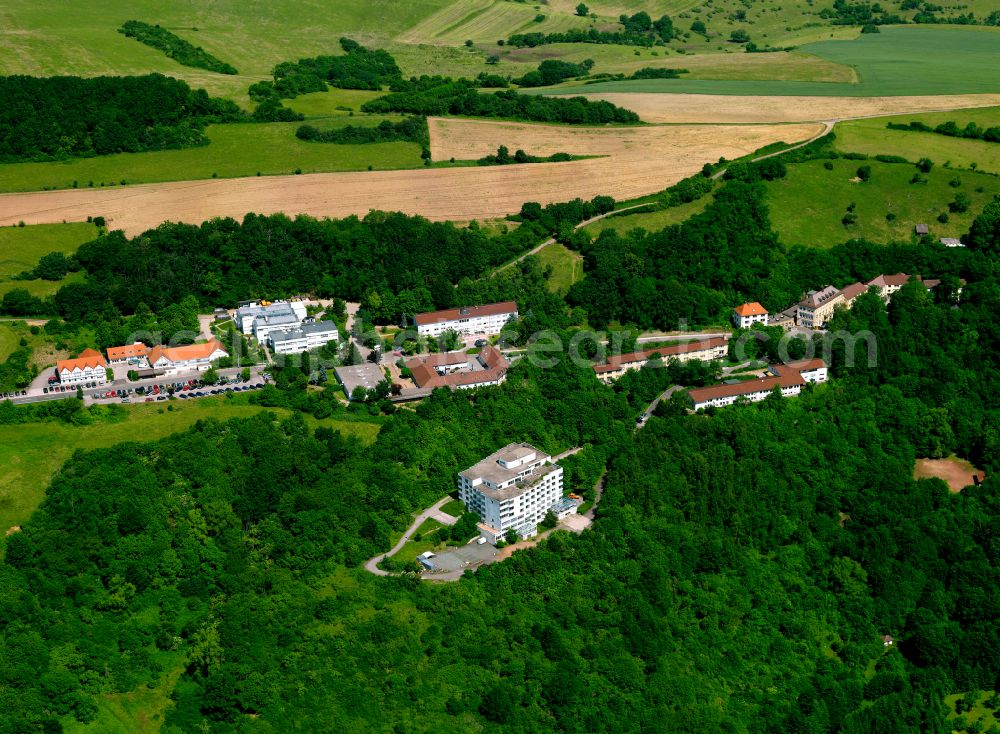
(455, 508)
(649, 221)
(234, 150)
(808, 204)
(567, 266)
(873, 137)
(82, 39)
(901, 60)
(33, 452)
(8, 341)
(22, 247)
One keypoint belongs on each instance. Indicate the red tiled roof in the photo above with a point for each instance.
(87, 358)
(129, 350)
(789, 375)
(750, 309)
(617, 361)
(853, 290)
(451, 314)
(185, 353)
(425, 376)
(701, 394)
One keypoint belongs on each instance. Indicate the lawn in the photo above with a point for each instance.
(901, 60)
(22, 247)
(8, 341)
(33, 452)
(455, 508)
(567, 266)
(649, 221)
(332, 103)
(235, 150)
(808, 204)
(872, 137)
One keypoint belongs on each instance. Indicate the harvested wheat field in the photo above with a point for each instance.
(645, 162)
(955, 472)
(714, 108)
(468, 139)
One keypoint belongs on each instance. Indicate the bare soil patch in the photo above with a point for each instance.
(957, 473)
(639, 161)
(713, 108)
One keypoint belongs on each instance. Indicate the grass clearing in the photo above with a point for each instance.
(34, 452)
(566, 265)
(22, 247)
(955, 472)
(9, 340)
(975, 709)
(873, 137)
(234, 151)
(649, 221)
(329, 103)
(808, 204)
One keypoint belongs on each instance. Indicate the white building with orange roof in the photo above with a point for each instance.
(748, 314)
(129, 354)
(189, 358)
(90, 366)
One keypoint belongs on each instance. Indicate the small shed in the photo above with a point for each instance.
(922, 229)
(951, 242)
(887, 640)
(425, 560)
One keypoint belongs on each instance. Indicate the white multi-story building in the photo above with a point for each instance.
(703, 349)
(748, 314)
(488, 319)
(513, 488)
(189, 358)
(261, 318)
(306, 337)
(790, 378)
(90, 366)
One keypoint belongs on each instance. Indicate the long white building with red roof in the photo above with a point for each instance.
(789, 378)
(189, 358)
(488, 319)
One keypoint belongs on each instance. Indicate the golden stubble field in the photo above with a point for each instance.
(635, 162)
(709, 108)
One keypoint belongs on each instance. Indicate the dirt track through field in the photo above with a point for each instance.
(710, 108)
(639, 161)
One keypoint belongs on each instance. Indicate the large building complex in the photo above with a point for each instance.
(704, 350)
(260, 318)
(90, 366)
(306, 337)
(459, 370)
(789, 378)
(511, 489)
(190, 358)
(468, 320)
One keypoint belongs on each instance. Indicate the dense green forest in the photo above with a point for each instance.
(742, 570)
(180, 50)
(60, 117)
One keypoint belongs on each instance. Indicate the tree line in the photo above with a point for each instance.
(637, 30)
(412, 129)
(50, 118)
(952, 129)
(180, 50)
